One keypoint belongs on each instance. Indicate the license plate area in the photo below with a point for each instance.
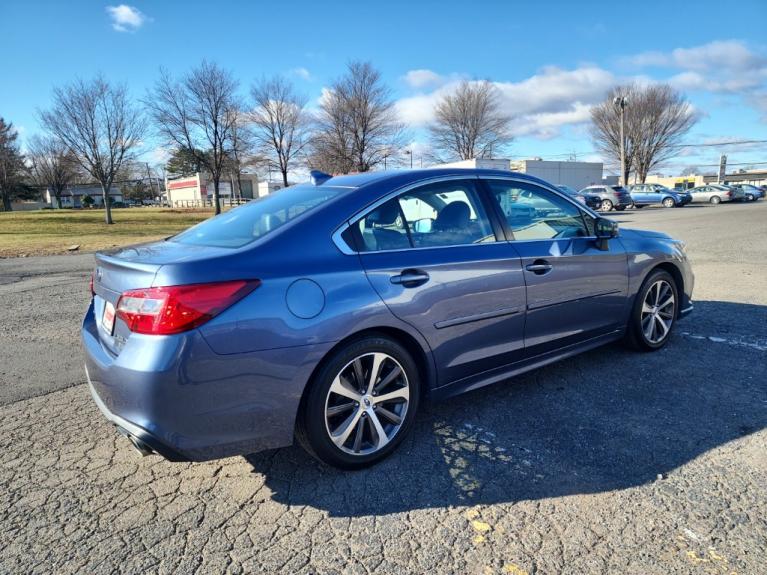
(108, 319)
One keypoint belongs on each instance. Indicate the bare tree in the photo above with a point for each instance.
(198, 113)
(332, 146)
(242, 144)
(470, 123)
(280, 123)
(11, 163)
(98, 123)
(357, 125)
(656, 118)
(53, 164)
(664, 119)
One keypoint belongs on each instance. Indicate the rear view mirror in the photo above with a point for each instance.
(605, 229)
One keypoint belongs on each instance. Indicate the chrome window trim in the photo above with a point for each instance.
(347, 250)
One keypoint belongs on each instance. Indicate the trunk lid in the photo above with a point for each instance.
(111, 277)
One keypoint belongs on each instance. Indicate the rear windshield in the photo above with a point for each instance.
(619, 189)
(258, 218)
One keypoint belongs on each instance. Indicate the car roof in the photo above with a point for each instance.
(400, 178)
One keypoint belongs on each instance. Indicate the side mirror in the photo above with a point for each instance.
(605, 229)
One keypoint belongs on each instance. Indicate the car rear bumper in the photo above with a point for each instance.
(186, 402)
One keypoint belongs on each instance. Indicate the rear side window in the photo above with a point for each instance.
(439, 214)
(533, 213)
(258, 218)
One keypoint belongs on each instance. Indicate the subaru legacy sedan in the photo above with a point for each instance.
(329, 311)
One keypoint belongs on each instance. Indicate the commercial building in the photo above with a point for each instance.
(576, 175)
(478, 163)
(197, 190)
(754, 177)
(72, 196)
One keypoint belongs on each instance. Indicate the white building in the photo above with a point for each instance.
(72, 196)
(478, 163)
(577, 175)
(197, 190)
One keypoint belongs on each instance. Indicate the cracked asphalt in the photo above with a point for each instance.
(610, 462)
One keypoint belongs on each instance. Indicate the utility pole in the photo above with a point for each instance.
(151, 185)
(620, 102)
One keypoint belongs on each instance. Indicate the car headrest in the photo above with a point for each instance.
(385, 215)
(455, 215)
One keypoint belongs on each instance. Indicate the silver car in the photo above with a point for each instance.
(713, 194)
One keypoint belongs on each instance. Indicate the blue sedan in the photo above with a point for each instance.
(329, 311)
(649, 194)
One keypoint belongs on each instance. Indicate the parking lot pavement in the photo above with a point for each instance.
(610, 462)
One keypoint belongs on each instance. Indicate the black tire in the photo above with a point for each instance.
(639, 206)
(715, 200)
(749, 198)
(620, 208)
(635, 336)
(605, 206)
(312, 431)
(668, 202)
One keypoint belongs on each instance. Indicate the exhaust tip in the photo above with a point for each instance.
(138, 445)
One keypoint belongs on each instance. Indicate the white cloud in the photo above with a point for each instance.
(126, 18)
(302, 73)
(540, 105)
(419, 79)
(721, 66)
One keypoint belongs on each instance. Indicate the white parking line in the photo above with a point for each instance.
(740, 341)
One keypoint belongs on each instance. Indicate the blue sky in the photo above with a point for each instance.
(551, 60)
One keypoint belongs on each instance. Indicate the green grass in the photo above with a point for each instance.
(53, 231)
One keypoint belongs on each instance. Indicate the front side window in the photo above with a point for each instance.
(440, 214)
(533, 213)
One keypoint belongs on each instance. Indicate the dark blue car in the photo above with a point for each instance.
(329, 311)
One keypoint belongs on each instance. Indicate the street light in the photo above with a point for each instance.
(410, 153)
(620, 102)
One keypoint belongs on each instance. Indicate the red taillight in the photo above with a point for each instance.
(173, 309)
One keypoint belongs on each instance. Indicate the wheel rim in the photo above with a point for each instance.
(606, 205)
(367, 403)
(715, 200)
(658, 310)
(668, 203)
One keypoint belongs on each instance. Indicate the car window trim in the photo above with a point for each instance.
(362, 213)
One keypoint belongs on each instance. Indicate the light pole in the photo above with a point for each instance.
(620, 102)
(410, 153)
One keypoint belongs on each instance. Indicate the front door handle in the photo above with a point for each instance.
(539, 267)
(410, 278)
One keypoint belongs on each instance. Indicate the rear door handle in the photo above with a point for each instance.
(539, 267)
(410, 278)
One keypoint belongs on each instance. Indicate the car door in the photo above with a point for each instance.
(434, 256)
(575, 290)
(640, 195)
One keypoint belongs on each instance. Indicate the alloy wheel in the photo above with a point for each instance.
(658, 310)
(606, 206)
(366, 404)
(668, 203)
(715, 200)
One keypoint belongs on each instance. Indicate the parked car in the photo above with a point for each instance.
(649, 194)
(611, 197)
(594, 202)
(750, 192)
(329, 311)
(712, 193)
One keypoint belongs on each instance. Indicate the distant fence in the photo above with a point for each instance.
(224, 202)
